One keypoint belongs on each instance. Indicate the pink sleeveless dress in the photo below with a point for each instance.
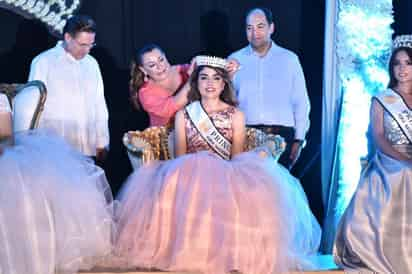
(204, 214)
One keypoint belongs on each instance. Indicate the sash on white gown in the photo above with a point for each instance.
(397, 108)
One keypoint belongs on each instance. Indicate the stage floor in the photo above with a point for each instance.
(323, 264)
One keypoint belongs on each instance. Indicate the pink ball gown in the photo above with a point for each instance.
(201, 213)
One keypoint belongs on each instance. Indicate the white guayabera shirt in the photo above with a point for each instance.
(272, 89)
(75, 106)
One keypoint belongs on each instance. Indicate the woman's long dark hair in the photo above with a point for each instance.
(392, 80)
(227, 95)
(136, 74)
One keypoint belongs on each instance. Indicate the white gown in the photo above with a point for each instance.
(55, 206)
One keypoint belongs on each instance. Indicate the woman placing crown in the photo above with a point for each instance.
(214, 209)
(375, 231)
(156, 86)
(159, 88)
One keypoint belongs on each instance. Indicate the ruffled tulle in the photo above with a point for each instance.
(201, 213)
(56, 208)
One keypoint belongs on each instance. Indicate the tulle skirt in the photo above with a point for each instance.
(375, 232)
(201, 213)
(55, 208)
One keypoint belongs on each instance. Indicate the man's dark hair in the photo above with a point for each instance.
(79, 23)
(267, 12)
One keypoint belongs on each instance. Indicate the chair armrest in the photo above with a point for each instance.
(267, 144)
(140, 151)
(275, 145)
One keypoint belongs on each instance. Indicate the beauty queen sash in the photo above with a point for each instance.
(395, 105)
(208, 131)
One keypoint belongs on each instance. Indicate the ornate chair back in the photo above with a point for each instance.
(156, 143)
(27, 101)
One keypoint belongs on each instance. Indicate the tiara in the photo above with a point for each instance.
(402, 41)
(52, 13)
(211, 61)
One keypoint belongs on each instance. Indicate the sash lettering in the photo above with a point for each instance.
(398, 109)
(208, 131)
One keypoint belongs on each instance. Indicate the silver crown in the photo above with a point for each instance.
(402, 41)
(211, 61)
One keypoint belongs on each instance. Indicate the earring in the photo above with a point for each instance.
(145, 78)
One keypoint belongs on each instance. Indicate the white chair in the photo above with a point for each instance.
(27, 102)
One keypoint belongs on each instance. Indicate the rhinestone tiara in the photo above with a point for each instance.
(211, 61)
(53, 14)
(402, 41)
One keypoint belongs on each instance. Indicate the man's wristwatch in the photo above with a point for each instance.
(302, 143)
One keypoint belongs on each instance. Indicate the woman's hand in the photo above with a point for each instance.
(192, 66)
(232, 67)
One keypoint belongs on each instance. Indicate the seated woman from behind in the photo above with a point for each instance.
(55, 204)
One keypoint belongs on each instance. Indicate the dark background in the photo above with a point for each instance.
(183, 28)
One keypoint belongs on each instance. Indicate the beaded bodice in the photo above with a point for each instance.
(395, 135)
(222, 121)
(392, 131)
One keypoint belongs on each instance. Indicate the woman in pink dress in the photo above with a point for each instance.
(214, 209)
(156, 86)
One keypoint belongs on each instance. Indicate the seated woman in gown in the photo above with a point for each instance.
(214, 209)
(55, 204)
(375, 231)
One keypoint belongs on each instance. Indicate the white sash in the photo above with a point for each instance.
(397, 108)
(208, 131)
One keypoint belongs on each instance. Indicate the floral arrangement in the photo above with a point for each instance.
(363, 44)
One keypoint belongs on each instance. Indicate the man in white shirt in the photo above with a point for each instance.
(270, 86)
(75, 107)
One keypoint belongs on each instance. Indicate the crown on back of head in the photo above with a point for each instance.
(402, 41)
(211, 61)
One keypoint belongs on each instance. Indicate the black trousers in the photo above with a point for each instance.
(288, 133)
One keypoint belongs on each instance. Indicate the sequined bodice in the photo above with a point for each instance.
(395, 135)
(392, 131)
(222, 121)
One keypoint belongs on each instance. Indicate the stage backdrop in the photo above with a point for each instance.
(183, 28)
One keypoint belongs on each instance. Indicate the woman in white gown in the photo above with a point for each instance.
(375, 232)
(55, 204)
